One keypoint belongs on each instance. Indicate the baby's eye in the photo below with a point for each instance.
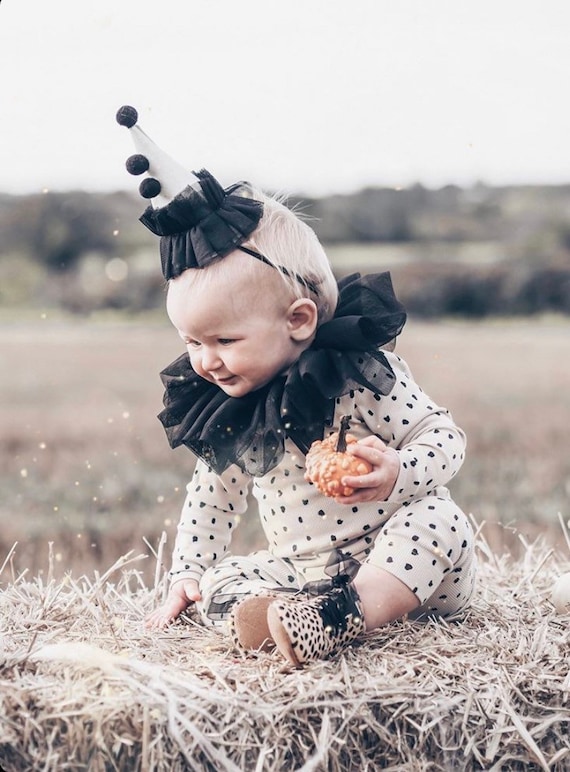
(187, 340)
(226, 341)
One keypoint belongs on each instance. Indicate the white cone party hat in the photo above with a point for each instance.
(165, 177)
(197, 222)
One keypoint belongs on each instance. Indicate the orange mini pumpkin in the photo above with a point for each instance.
(327, 462)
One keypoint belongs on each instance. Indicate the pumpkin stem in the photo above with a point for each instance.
(343, 428)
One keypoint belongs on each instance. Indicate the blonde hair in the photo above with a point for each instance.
(292, 247)
(293, 258)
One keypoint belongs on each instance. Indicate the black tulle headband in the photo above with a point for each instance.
(311, 286)
(197, 223)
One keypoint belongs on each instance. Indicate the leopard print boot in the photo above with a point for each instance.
(313, 629)
(247, 623)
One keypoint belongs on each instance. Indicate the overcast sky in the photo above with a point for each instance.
(310, 96)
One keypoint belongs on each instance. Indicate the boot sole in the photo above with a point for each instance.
(250, 624)
(279, 635)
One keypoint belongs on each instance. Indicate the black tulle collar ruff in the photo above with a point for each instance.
(250, 431)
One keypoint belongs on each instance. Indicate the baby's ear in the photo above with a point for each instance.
(302, 317)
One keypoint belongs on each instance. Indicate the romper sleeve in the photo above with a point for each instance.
(430, 445)
(209, 514)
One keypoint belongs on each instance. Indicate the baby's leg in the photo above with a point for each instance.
(427, 550)
(383, 597)
(237, 577)
(423, 555)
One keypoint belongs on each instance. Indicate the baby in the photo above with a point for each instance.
(276, 355)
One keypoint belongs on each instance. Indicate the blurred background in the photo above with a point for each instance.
(425, 139)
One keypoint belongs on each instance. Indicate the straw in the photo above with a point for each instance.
(84, 686)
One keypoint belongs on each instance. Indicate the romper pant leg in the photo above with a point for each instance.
(235, 576)
(429, 545)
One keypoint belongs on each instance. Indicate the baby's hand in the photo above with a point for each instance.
(180, 596)
(378, 484)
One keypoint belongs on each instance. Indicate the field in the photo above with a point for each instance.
(85, 464)
(87, 477)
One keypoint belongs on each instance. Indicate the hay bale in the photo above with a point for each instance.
(84, 686)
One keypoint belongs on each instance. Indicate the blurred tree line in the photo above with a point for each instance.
(458, 251)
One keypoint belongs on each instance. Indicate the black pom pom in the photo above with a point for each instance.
(149, 188)
(137, 164)
(127, 116)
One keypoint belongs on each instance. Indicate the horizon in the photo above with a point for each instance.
(478, 184)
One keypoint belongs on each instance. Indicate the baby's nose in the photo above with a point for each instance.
(211, 359)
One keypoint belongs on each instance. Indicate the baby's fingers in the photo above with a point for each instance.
(373, 453)
(371, 441)
(158, 620)
(163, 616)
(362, 481)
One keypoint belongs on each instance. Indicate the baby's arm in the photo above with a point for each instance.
(422, 446)
(180, 596)
(208, 516)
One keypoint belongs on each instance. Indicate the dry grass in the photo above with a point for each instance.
(84, 687)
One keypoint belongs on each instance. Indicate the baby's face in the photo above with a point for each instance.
(235, 339)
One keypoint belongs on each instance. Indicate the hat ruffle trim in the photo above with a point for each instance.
(202, 223)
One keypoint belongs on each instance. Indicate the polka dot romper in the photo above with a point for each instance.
(418, 534)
